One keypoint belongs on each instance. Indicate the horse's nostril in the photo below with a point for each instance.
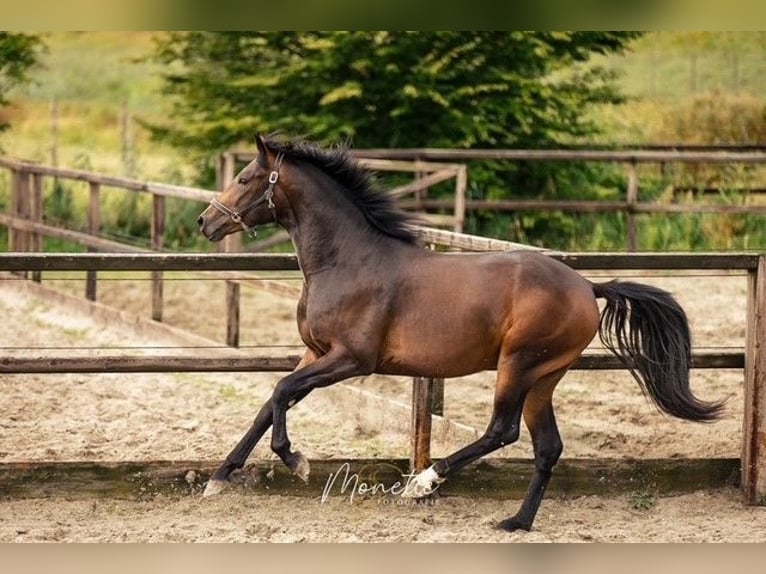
(201, 221)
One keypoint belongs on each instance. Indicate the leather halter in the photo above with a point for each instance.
(266, 197)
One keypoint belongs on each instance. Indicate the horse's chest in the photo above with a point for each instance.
(316, 318)
(333, 313)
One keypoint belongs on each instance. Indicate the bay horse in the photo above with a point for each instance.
(375, 301)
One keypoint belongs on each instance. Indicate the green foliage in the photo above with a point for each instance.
(390, 89)
(716, 118)
(131, 215)
(181, 230)
(103, 70)
(18, 54)
(672, 66)
(641, 500)
(401, 89)
(58, 204)
(384, 89)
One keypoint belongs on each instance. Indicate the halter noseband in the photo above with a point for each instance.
(268, 194)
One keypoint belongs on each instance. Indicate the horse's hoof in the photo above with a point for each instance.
(423, 484)
(214, 487)
(301, 467)
(513, 525)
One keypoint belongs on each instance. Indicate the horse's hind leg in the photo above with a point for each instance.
(546, 441)
(527, 392)
(503, 429)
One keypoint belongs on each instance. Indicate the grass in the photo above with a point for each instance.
(664, 71)
(641, 500)
(102, 84)
(668, 66)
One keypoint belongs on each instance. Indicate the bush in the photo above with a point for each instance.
(716, 118)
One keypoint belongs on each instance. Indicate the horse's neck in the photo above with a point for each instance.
(328, 233)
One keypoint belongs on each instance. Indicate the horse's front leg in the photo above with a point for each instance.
(237, 457)
(331, 368)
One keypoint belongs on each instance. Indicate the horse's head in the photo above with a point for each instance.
(248, 201)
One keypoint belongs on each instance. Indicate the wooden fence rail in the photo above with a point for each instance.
(753, 357)
(202, 363)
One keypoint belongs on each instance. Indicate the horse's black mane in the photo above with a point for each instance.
(378, 207)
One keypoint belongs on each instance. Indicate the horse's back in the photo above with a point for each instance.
(506, 277)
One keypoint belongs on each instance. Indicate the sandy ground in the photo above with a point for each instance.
(113, 417)
(698, 517)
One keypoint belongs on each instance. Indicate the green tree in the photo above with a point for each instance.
(457, 89)
(18, 53)
(395, 89)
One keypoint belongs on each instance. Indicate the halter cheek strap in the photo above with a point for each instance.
(266, 197)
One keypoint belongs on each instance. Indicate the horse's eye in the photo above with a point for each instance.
(242, 181)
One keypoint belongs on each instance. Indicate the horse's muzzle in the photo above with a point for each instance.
(204, 225)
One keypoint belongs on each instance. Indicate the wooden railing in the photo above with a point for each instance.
(631, 205)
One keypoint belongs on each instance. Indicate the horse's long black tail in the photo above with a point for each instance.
(648, 330)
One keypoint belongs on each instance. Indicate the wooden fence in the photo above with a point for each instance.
(630, 159)
(27, 227)
(26, 222)
(752, 358)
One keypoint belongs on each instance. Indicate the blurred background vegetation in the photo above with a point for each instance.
(159, 106)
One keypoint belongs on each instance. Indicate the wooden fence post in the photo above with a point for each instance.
(754, 422)
(437, 397)
(422, 399)
(36, 215)
(19, 240)
(158, 243)
(427, 400)
(461, 182)
(94, 227)
(231, 244)
(632, 200)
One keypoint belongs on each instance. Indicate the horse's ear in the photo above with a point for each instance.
(260, 144)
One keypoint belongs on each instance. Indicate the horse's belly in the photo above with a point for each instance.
(432, 371)
(438, 358)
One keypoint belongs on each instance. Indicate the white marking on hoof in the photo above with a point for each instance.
(302, 468)
(214, 487)
(422, 484)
